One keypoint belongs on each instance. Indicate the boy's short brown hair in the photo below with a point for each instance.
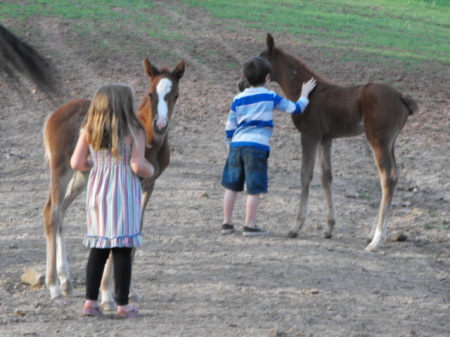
(256, 69)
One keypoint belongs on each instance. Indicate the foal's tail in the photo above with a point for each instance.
(17, 56)
(410, 103)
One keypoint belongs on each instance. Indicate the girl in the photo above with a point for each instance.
(112, 144)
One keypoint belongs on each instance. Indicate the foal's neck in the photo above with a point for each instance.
(294, 73)
(146, 118)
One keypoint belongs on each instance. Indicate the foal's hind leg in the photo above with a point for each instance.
(57, 277)
(327, 179)
(309, 152)
(64, 189)
(51, 224)
(385, 160)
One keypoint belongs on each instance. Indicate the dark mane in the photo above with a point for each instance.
(298, 63)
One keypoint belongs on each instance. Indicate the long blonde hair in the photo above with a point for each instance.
(111, 118)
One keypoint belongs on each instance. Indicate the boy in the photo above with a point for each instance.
(248, 132)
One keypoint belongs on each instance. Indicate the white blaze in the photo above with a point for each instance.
(163, 88)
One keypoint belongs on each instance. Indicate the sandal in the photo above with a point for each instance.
(92, 311)
(127, 311)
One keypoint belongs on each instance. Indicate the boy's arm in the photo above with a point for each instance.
(307, 87)
(231, 125)
(299, 106)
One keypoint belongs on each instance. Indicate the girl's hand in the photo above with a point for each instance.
(139, 164)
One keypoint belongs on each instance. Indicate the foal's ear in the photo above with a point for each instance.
(270, 42)
(178, 72)
(150, 70)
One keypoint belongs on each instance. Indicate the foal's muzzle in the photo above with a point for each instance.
(243, 84)
(159, 131)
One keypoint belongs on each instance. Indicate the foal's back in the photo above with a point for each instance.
(62, 130)
(339, 111)
(334, 111)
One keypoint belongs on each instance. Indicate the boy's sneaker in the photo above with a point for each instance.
(254, 231)
(227, 229)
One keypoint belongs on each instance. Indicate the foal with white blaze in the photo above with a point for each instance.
(60, 136)
(163, 88)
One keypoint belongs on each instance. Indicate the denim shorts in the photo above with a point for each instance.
(247, 165)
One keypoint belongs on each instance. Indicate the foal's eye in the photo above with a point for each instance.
(151, 95)
(176, 97)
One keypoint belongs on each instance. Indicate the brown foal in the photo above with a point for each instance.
(376, 109)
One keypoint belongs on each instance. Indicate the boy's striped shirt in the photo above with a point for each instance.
(250, 120)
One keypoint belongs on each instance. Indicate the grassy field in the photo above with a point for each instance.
(415, 30)
(412, 31)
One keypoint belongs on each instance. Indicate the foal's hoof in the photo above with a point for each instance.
(373, 246)
(370, 248)
(292, 235)
(56, 293)
(135, 298)
(67, 289)
(108, 306)
(327, 235)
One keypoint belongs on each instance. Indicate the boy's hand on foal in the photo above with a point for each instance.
(307, 87)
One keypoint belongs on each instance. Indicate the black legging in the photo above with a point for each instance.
(122, 273)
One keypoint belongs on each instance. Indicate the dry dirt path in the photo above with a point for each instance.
(195, 282)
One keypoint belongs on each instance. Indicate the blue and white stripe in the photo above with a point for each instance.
(250, 120)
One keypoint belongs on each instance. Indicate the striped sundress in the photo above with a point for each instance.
(113, 201)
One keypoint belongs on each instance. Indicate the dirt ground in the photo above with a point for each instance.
(195, 282)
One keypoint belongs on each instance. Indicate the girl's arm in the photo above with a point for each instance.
(139, 164)
(80, 160)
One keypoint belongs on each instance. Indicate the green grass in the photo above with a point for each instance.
(410, 31)
(108, 26)
(414, 30)
(98, 10)
(87, 17)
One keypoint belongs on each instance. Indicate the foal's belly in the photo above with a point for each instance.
(347, 130)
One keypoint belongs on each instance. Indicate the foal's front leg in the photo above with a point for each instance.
(147, 191)
(309, 152)
(106, 286)
(327, 179)
(76, 185)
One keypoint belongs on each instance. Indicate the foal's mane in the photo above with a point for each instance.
(297, 63)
